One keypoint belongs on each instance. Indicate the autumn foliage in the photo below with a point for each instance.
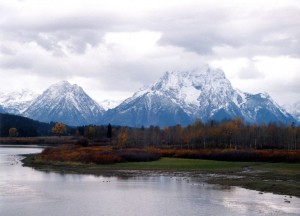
(59, 129)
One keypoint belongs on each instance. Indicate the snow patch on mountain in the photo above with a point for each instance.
(18, 101)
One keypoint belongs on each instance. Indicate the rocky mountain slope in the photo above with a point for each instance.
(63, 102)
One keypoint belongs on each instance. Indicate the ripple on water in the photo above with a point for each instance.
(8, 189)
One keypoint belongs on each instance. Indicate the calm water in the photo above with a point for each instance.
(25, 191)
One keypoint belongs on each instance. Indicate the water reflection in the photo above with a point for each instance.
(25, 191)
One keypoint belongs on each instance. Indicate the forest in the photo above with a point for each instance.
(25, 127)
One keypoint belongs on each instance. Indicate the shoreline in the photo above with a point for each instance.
(43, 140)
(277, 178)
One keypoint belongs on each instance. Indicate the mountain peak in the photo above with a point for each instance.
(63, 88)
(204, 70)
(65, 84)
(67, 103)
(201, 88)
(62, 82)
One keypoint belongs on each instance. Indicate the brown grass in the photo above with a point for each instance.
(96, 154)
(108, 155)
(232, 154)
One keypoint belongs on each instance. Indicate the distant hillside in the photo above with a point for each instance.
(26, 127)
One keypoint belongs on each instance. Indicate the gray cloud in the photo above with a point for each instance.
(285, 92)
(250, 72)
(195, 27)
(16, 63)
(75, 31)
(201, 29)
(6, 50)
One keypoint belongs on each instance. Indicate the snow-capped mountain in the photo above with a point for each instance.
(259, 108)
(109, 104)
(294, 109)
(63, 102)
(180, 97)
(17, 102)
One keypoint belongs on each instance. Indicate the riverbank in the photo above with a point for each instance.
(47, 140)
(278, 178)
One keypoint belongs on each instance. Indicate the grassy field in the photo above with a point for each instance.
(181, 164)
(280, 178)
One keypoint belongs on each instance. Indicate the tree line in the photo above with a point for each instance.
(227, 134)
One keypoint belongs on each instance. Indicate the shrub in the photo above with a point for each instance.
(138, 155)
(83, 142)
(99, 155)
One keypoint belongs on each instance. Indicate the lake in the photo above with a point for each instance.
(25, 191)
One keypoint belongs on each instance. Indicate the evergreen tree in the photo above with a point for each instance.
(109, 131)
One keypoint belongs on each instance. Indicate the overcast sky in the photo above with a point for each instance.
(113, 48)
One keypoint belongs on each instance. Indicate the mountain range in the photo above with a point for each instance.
(178, 97)
(17, 102)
